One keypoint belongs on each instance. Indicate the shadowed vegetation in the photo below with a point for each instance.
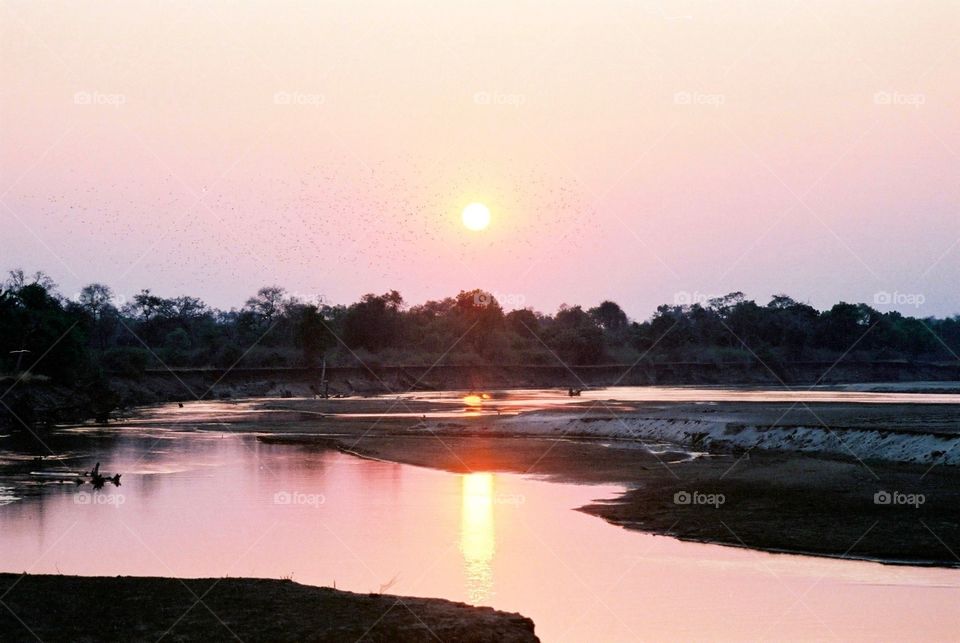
(95, 333)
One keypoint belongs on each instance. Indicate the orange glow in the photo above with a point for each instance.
(473, 400)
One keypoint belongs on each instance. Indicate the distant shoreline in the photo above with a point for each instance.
(45, 402)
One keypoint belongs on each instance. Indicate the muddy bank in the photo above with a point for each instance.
(72, 608)
(926, 434)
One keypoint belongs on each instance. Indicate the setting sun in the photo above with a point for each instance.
(476, 216)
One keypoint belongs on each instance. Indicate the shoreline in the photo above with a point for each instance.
(41, 402)
(933, 564)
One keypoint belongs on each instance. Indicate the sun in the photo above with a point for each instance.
(476, 216)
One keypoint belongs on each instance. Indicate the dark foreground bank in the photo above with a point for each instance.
(74, 608)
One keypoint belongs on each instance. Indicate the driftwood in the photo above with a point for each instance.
(98, 480)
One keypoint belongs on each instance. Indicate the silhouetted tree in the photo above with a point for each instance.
(96, 301)
(575, 336)
(313, 334)
(609, 316)
(374, 322)
(35, 324)
(273, 328)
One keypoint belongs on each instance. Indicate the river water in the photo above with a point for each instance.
(204, 504)
(514, 401)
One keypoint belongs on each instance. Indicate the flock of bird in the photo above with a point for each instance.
(350, 218)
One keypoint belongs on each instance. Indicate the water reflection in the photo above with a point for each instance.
(7, 496)
(206, 506)
(477, 538)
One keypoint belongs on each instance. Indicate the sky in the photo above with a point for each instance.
(645, 152)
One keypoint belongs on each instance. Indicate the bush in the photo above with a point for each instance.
(125, 360)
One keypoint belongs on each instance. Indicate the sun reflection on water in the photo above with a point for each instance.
(473, 400)
(477, 539)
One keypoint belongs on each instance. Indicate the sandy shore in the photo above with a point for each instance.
(72, 608)
(923, 434)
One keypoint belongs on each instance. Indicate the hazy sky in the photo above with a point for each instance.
(647, 152)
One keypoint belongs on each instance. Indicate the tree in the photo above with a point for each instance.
(723, 305)
(146, 306)
(374, 322)
(610, 316)
(575, 336)
(479, 321)
(34, 321)
(268, 304)
(523, 322)
(313, 335)
(789, 325)
(843, 327)
(96, 300)
(18, 279)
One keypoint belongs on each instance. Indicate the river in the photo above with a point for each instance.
(205, 504)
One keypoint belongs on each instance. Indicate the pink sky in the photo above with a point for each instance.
(645, 152)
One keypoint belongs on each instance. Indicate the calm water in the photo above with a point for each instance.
(513, 401)
(198, 504)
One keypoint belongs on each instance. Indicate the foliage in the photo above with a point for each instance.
(50, 335)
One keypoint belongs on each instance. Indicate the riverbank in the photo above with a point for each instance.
(39, 401)
(908, 428)
(72, 608)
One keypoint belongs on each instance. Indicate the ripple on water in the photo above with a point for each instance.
(7, 496)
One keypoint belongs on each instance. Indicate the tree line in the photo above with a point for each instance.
(93, 334)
